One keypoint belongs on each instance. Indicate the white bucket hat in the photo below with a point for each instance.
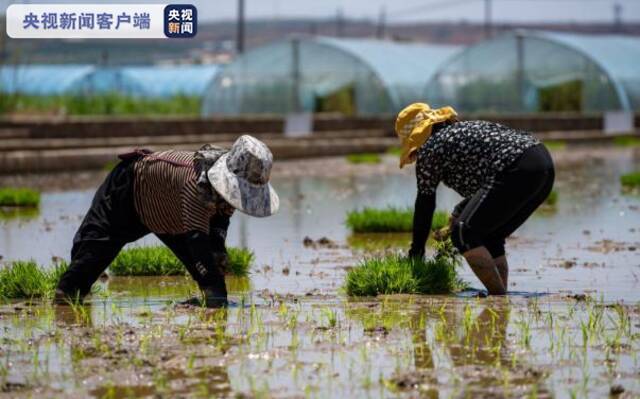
(241, 177)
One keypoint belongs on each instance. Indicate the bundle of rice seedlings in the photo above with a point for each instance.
(10, 196)
(389, 220)
(364, 158)
(27, 279)
(395, 274)
(630, 180)
(160, 261)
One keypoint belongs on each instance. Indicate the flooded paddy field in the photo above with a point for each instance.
(570, 328)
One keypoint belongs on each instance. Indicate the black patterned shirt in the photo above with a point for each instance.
(466, 156)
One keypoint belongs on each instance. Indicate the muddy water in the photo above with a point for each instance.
(293, 334)
(293, 347)
(590, 242)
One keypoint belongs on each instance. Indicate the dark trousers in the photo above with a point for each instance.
(491, 215)
(111, 223)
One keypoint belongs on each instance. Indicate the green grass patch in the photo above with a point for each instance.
(364, 158)
(10, 196)
(397, 151)
(555, 144)
(26, 279)
(160, 261)
(389, 220)
(627, 141)
(395, 274)
(101, 104)
(630, 180)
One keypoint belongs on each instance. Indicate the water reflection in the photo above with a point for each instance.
(74, 315)
(479, 340)
(473, 340)
(399, 346)
(20, 213)
(379, 241)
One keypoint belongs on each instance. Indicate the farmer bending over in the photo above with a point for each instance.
(503, 175)
(185, 199)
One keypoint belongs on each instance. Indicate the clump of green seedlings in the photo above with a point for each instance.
(160, 261)
(397, 151)
(368, 158)
(395, 274)
(631, 180)
(552, 199)
(389, 220)
(26, 279)
(26, 197)
(627, 141)
(555, 144)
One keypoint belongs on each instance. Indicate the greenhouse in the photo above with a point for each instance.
(135, 81)
(320, 74)
(531, 71)
(191, 80)
(41, 80)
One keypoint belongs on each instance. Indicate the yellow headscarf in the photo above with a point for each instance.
(413, 127)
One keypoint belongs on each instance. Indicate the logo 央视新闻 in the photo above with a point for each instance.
(180, 21)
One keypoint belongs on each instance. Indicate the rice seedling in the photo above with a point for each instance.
(394, 274)
(26, 279)
(389, 220)
(160, 261)
(630, 180)
(331, 316)
(366, 158)
(524, 325)
(10, 196)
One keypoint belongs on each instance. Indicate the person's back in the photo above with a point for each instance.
(166, 195)
(467, 155)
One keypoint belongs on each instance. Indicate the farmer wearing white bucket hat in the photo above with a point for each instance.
(241, 177)
(186, 199)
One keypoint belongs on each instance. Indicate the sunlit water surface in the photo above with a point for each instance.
(294, 333)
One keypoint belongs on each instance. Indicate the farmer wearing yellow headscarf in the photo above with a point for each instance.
(502, 173)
